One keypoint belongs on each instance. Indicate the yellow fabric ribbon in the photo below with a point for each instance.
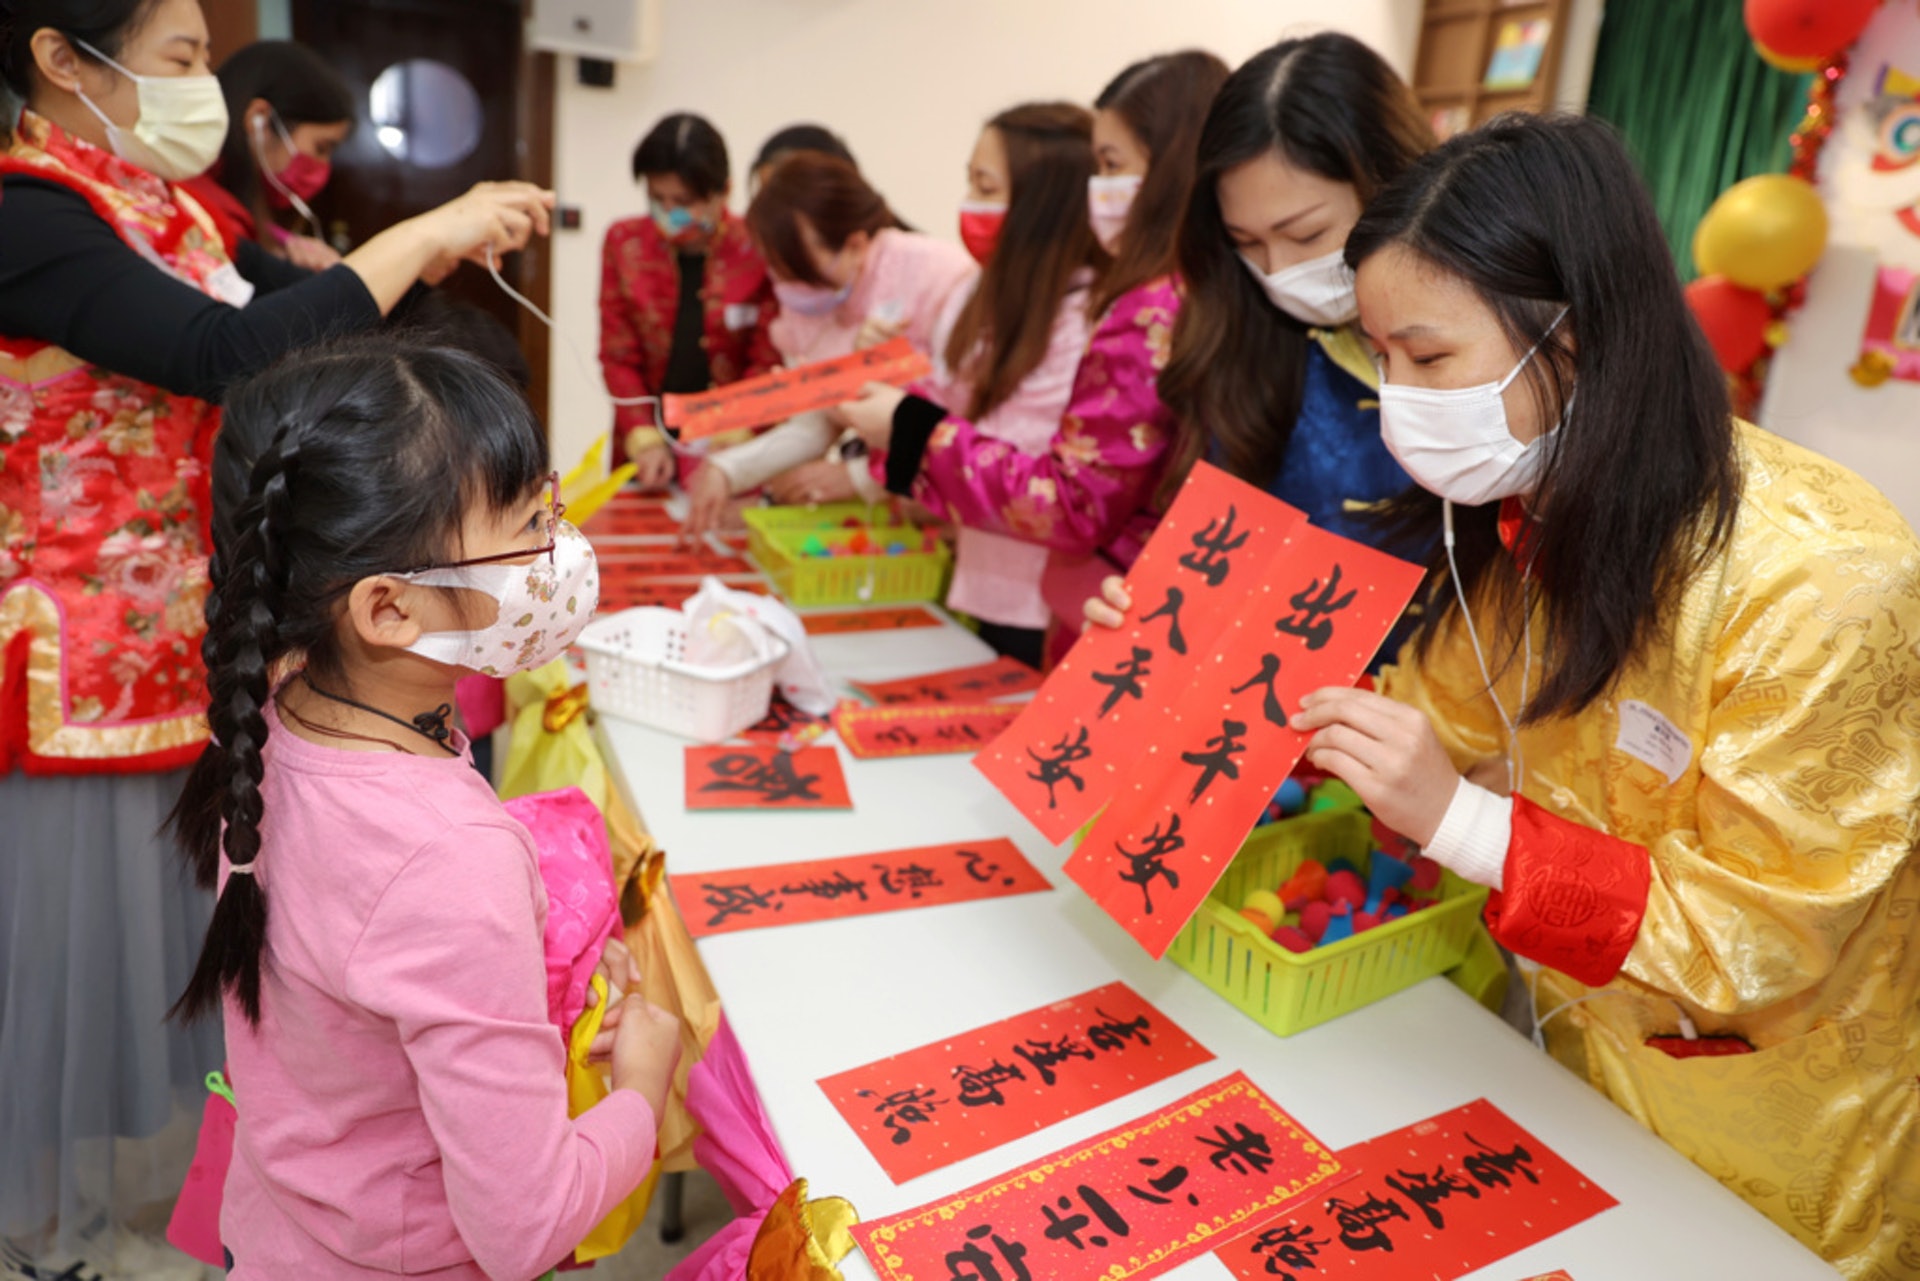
(586, 1086)
(802, 1240)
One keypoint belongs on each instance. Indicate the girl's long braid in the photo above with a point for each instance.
(242, 643)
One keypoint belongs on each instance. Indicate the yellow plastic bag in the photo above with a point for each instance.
(586, 1086)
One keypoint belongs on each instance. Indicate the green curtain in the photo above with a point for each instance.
(1699, 109)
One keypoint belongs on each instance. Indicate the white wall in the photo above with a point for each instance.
(906, 83)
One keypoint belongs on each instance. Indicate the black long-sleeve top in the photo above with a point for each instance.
(67, 278)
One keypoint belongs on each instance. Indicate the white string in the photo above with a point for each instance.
(273, 179)
(1516, 754)
(586, 369)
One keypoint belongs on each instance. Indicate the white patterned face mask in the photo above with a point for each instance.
(543, 605)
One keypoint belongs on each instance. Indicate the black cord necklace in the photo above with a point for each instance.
(431, 725)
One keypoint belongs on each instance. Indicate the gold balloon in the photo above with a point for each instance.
(1794, 66)
(1872, 369)
(1764, 233)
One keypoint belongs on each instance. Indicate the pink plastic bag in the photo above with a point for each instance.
(583, 912)
(194, 1229)
(737, 1146)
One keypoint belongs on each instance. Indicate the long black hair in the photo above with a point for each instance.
(105, 24)
(1237, 374)
(1162, 100)
(335, 465)
(300, 86)
(1544, 214)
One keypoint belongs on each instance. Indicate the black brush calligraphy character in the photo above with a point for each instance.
(1312, 619)
(1211, 557)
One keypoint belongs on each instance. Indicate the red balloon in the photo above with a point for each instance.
(1808, 28)
(1735, 320)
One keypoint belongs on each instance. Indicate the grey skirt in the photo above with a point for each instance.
(100, 927)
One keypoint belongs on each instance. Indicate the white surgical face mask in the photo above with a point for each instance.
(1318, 291)
(182, 124)
(1110, 199)
(543, 606)
(1456, 443)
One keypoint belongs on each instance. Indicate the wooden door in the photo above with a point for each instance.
(447, 96)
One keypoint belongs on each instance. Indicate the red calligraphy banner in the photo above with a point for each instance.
(1134, 1202)
(944, 1102)
(1313, 617)
(626, 521)
(760, 777)
(641, 563)
(752, 898)
(1438, 1199)
(1067, 754)
(784, 725)
(667, 593)
(920, 731)
(847, 621)
(776, 396)
(976, 684)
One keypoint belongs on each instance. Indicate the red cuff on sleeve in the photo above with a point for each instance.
(1574, 896)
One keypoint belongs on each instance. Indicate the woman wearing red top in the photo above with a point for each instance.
(684, 297)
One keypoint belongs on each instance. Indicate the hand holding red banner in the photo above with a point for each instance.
(1067, 754)
(1315, 615)
(777, 396)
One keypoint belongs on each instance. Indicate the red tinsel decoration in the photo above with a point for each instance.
(1808, 140)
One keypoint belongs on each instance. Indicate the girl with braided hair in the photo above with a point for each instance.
(386, 522)
(124, 315)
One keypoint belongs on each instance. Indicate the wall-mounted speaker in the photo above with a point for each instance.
(611, 30)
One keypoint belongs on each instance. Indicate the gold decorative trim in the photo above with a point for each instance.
(31, 608)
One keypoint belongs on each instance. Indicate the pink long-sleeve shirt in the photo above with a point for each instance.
(402, 1102)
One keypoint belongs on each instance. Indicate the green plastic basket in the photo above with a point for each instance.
(853, 580)
(1286, 992)
(762, 521)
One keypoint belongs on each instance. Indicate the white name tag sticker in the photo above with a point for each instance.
(742, 315)
(1652, 739)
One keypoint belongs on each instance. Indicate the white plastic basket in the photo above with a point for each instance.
(635, 670)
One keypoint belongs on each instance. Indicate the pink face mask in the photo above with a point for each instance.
(304, 177)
